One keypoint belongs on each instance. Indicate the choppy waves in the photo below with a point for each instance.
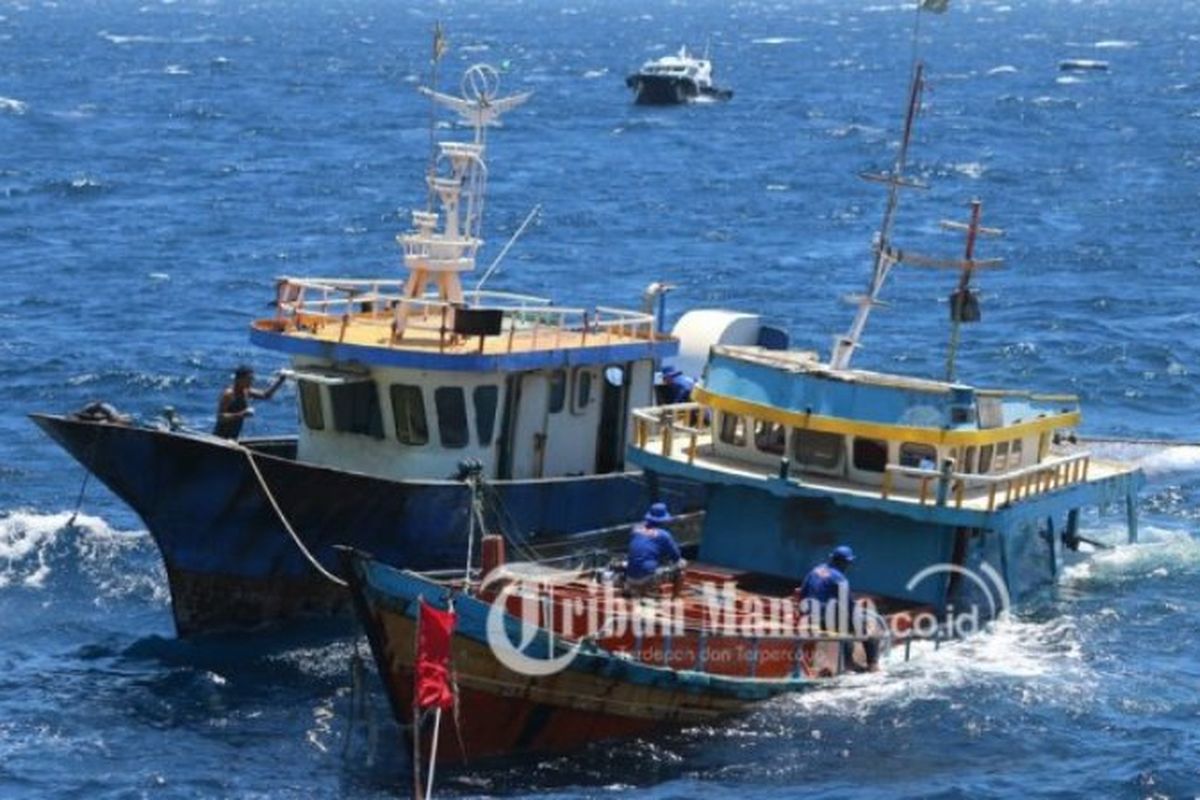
(82, 558)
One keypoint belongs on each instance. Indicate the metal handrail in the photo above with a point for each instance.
(315, 302)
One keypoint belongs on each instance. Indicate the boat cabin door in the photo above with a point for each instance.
(529, 428)
(614, 403)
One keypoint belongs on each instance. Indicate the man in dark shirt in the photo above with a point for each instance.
(677, 387)
(234, 405)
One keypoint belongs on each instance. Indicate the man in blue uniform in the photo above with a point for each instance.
(653, 555)
(822, 595)
(234, 406)
(677, 387)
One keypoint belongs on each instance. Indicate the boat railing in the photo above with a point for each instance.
(670, 422)
(664, 425)
(312, 304)
(950, 487)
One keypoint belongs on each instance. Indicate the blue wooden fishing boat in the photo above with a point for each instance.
(398, 381)
(547, 659)
(953, 496)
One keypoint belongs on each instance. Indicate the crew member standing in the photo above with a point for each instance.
(234, 406)
(822, 595)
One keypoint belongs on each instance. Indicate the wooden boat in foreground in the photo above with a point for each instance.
(548, 660)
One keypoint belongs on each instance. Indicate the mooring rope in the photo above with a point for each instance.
(87, 474)
(283, 519)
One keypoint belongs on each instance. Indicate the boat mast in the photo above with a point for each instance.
(439, 257)
(437, 51)
(885, 259)
(964, 307)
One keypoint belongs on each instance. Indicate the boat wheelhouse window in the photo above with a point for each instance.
(818, 449)
(486, 398)
(1016, 454)
(558, 390)
(769, 437)
(408, 411)
(985, 458)
(733, 429)
(1000, 462)
(583, 389)
(870, 455)
(356, 408)
(310, 405)
(922, 456)
(452, 416)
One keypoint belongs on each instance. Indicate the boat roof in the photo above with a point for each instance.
(375, 323)
(809, 362)
(680, 59)
(780, 383)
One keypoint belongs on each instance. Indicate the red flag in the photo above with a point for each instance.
(434, 630)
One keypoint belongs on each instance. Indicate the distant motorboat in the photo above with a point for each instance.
(675, 79)
(1082, 65)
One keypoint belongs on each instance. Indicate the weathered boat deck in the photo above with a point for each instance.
(428, 335)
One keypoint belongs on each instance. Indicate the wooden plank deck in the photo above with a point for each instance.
(424, 335)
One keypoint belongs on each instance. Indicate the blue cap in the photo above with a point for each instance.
(658, 513)
(842, 553)
(670, 372)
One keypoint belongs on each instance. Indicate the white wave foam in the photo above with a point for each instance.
(773, 40)
(135, 38)
(10, 105)
(1159, 553)
(1045, 656)
(596, 73)
(1003, 69)
(1171, 460)
(34, 546)
(971, 169)
(1114, 44)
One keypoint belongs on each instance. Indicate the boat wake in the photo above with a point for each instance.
(1043, 658)
(1171, 460)
(1161, 553)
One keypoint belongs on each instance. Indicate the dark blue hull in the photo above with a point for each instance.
(231, 562)
(658, 90)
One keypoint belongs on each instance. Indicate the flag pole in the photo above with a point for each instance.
(416, 708)
(437, 727)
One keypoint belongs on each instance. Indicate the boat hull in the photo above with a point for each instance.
(657, 90)
(231, 562)
(596, 696)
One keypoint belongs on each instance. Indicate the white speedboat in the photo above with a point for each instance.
(674, 79)
(1082, 65)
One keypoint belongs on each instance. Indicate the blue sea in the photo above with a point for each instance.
(163, 161)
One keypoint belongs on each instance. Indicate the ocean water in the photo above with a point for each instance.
(165, 160)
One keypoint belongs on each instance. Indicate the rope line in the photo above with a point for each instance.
(279, 513)
(87, 474)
